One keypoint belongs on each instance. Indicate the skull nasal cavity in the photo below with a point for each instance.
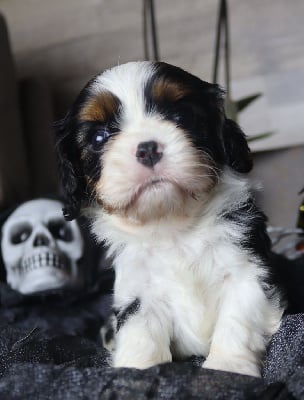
(41, 240)
(147, 153)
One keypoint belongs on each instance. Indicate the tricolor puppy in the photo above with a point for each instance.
(147, 151)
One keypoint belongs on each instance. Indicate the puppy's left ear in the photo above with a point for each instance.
(237, 152)
(71, 176)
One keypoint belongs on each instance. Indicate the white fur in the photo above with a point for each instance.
(199, 292)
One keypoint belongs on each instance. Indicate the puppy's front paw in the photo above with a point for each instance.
(233, 364)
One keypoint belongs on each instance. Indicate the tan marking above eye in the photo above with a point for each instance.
(99, 107)
(169, 90)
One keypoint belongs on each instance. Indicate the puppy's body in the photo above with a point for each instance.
(148, 152)
(199, 292)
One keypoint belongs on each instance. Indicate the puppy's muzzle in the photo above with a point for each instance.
(147, 153)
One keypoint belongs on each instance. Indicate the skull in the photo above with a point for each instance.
(40, 249)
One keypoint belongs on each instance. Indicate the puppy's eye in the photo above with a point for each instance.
(98, 138)
(177, 118)
(184, 116)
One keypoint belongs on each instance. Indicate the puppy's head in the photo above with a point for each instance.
(146, 140)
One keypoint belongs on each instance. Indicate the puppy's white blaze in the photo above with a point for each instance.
(127, 82)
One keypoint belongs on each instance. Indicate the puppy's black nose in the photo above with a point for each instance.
(147, 153)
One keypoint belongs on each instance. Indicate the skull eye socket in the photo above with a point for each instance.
(60, 230)
(20, 234)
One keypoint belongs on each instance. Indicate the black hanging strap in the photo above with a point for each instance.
(150, 31)
(222, 30)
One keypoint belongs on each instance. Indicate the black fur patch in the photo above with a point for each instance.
(198, 107)
(124, 314)
(256, 239)
(237, 152)
(79, 162)
(257, 242)
(192, 104)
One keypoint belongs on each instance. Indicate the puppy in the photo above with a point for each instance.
(147, 152)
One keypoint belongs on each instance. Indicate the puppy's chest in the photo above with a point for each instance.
(179, 272)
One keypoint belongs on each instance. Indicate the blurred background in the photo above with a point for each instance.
(50, 49)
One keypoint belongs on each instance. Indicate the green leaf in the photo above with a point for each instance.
(259, 136)
(231, 109)
(245, 101)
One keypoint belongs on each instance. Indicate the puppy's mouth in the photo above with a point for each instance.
(151, 198)
(153, 183)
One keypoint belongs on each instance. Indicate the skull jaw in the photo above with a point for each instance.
(45, 278)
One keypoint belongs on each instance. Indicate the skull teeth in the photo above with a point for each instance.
(42, 260)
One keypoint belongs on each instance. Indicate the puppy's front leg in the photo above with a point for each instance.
(245, 320)
(142, 341)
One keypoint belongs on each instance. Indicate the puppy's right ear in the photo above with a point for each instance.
(237, 152)
(69, 169)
